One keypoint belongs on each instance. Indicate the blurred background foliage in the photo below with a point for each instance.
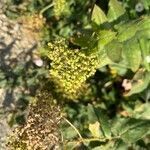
(114, 111)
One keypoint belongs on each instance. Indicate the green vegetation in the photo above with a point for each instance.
(97, 67)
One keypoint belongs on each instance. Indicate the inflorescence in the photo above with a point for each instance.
(40, 132)
(70, 68)
(60, 7)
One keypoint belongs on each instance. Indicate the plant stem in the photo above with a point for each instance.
(46, 8)
(74, 128)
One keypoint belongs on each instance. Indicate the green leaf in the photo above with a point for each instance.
(91, 114)
(130, 130)
(96, 148)
(70, 145)
(139, 82)
(144, 34)
(145, 49)
(120, 145)
(118, 69)
(132, 54)
(103, 58)
(69, 133)
(86, 39)
(104, 123)
(126, 30)
(146, 4)
(97, 115)
(114, 50)
(105, 36)
(115, 10)
(98, 16)
(144, 23)
(116, 125)
(95, 129)
(136, 133)
(142, 111)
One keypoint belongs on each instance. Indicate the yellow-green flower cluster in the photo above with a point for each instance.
(70, 67)
(60, 7)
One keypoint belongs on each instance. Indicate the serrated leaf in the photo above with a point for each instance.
(126, 30)
(132, 54)
(114, 50)
(98, 16)
(95, 129)
(139, 82)
(115, 10)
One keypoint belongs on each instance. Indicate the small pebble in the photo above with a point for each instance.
(38, 62)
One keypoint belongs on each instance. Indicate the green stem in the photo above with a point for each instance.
(74, 128)
(46, 8)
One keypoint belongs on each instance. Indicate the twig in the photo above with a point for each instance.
(74, 128)
(46, 8)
